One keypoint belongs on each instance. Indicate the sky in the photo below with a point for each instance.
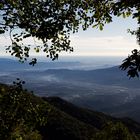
(112, 41)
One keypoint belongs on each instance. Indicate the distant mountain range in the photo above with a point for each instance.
(108, 90)
(15, 65)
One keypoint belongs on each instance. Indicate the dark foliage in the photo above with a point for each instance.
(132, 64)
(53, 21)
(25, 116)
(20, 112)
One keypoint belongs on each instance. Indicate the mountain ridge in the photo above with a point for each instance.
(61, 121)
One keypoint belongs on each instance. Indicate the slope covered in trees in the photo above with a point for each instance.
(25, 116)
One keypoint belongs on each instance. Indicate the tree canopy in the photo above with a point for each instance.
(52, 22)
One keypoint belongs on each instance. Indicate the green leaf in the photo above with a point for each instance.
(124, 15)
(1, 5)
(95, 25)
(101, 27)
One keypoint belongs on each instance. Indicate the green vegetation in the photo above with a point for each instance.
(20, 113)
(52, 22)
(115, 132)
(24, 116)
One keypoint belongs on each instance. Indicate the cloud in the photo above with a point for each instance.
(49, 78)
(116, 45)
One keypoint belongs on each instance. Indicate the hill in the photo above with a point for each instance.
(94, 118)
(107, 90)
(24, 115)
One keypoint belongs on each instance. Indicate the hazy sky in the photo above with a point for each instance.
(112, 41)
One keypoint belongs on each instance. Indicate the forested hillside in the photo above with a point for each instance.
(26, 116)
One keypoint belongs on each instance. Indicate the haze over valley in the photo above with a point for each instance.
(98, 86)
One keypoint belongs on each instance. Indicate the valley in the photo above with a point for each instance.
(108, 89)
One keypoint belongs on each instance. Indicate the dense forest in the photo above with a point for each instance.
(29, 117)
